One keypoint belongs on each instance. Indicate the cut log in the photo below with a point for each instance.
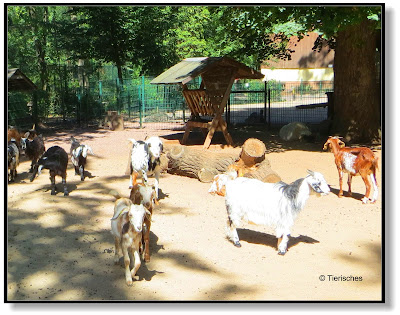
(204, 164)
(263, 172)
(197, 163)
(253, 152)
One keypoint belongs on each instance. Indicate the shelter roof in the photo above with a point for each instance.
(18, 81)
(190, 68)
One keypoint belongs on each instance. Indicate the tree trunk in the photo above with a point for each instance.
(356, 93)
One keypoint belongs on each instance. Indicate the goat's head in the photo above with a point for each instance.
(135, 213)
(155, 146)
(145, 195)
(136, 216)
(318, 183)
(333, 142)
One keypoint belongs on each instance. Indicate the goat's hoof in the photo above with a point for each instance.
(129, 282)
(237, 244)
(130, 187)
(66, 193)
(53, 192)
(365, 200)
(281, 253)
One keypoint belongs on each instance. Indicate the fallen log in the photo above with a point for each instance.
(198, 163)
(205, 164)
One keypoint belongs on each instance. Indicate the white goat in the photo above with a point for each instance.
(145, 159)
(275, 204)
(126, 227)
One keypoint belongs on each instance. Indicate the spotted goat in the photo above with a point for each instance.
(355, 161)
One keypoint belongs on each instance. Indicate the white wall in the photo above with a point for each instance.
(284, 75)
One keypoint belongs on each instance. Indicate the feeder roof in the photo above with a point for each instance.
(190, 68)
(18, 81)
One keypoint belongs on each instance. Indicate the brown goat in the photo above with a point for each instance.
(354, 161)
(145, 195)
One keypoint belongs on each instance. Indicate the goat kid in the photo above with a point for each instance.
(55, 159)
(34, 148)
(146, 196)
(354, 161)
(145, 160)
(273, 204)
(126, 227)
(13, 159)
(78, 156)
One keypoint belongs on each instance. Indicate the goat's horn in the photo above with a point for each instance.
(310, 172)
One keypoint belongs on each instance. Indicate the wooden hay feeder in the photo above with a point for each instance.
(209, 101)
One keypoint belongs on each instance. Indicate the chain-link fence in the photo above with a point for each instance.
(83, 95)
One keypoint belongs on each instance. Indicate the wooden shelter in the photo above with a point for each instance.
(207, 104)
(18, 81)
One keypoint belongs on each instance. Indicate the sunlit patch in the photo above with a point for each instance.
(69, 295)
(51, 220)
(41, 279)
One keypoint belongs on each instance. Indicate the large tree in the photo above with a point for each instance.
(352, 31)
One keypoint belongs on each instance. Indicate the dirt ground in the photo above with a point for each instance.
(60, 248)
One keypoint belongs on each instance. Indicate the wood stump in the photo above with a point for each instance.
(114, 121)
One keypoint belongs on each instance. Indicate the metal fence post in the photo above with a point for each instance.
(142, 105)
(265, 102)
(269, 108)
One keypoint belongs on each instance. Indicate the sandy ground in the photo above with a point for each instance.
(60, 248)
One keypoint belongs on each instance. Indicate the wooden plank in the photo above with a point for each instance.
(312, 106)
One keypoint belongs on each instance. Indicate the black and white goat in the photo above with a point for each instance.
(145, 160)
(78, 156)
(13, 159)
(276, 204)
(55, 159)
(34, 148)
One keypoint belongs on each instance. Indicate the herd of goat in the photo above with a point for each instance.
(131, 222)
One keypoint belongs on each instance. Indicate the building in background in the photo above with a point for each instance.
(305, 64)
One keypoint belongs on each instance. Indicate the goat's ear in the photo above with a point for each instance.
(341, 144)
(26, 135)
(132, 140)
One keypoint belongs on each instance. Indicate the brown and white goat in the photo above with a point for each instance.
(126, 227)
(355, 161)
(146, 196)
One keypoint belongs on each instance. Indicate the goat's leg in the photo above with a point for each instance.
(232, 233)
(64, 182)
(53, 182)
(146, 241)
(156, 182)
(282, 247)
(365, 178)
(117, 243)
(82, 172)
(127, 261)
(349, 178)
(135, 254)
(340, 183)
(132, 179)
(32, 165)
(144, 177)
(375, 185)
